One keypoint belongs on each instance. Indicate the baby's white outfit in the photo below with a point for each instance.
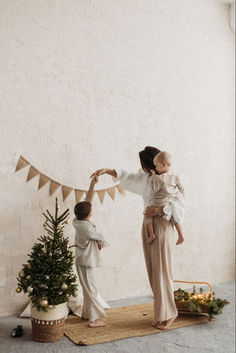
(86, 257)
(167, 191)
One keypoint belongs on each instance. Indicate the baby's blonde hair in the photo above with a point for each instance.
(164, 156)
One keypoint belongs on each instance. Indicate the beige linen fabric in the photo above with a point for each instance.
(86, 243)
(167, 191)
(159, 267)
(92, 309)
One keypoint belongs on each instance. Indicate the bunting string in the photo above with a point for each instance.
(66, 190)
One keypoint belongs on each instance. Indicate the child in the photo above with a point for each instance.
(88, 243)
(166, 188)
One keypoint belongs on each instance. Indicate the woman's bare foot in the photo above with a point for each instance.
(151, 239)
(155, 323)
(161, 325)
(96, 323)
(164, 325)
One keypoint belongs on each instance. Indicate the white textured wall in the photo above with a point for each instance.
(87, 84)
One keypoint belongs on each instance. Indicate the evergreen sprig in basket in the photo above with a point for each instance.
(198, 302)
(48, 279)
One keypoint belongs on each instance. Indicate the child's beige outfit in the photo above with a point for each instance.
(87, 256)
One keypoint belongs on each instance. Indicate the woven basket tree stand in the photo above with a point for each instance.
(48, 326)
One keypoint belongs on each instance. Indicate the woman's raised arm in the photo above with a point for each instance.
(133, 182)
(102, 171)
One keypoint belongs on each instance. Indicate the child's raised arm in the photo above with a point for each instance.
(90, 193)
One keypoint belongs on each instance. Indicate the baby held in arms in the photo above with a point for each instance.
(166, 192)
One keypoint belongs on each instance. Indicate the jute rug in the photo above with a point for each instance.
(124, 322)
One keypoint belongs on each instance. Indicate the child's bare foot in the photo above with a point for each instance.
(96, 323)
(151, 239)
(180, 240)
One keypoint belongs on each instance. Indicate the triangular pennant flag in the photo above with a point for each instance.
(43, 179)
(53, 187)
(66, 190)
(101, 195)
(22, 163)
(32, 173)
(121, 189)
(111, 192)
(78, 195)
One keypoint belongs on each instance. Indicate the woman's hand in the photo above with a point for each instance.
(102, 171)
(153, 211)
(99, 172)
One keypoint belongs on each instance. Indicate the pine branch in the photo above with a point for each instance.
(63, 215)
(52, 228)
(47, 218)
(49, 232)
(53, 220)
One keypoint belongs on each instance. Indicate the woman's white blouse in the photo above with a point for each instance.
(140, 183)
(137, 183)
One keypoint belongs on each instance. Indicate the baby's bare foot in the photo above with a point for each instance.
(180, 240)
(151, 239)
(96, 323)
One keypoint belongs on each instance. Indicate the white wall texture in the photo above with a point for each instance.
(87, 84)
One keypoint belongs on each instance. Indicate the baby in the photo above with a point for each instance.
(88, 242)
(166, 192)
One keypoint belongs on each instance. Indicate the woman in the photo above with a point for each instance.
(158, 255)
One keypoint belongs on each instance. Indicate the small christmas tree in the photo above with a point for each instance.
(48, 276)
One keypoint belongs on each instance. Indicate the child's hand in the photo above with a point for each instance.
(99, 247)
(94, 179)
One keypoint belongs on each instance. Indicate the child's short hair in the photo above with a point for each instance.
(82, 210)
(164, 157)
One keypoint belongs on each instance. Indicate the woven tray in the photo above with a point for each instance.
(181, 305)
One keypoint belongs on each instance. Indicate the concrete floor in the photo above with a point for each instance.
(216, 336)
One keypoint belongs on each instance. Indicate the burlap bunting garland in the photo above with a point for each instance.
(66, 190)
(32, 173)
(78, 195)
(43, 179)
(101, 195)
